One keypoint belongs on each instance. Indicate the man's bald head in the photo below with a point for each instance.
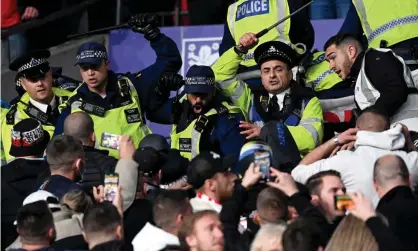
(373, 120)
(390, 171)
(79, 125)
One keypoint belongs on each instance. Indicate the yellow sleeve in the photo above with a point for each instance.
(225, 70)
(309, 133)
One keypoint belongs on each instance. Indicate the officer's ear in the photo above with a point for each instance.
(93, 137)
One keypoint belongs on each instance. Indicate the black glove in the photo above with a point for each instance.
(171, 81)
(145, 24)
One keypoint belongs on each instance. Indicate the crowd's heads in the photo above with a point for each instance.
(174, 171)
(200, 87)
(65, 154)
(341, 51)
(269, 237)
(156, 141)
(272, 206)
(34, 75)
(102, 223)
(35, 224)
(170, 208)
(28, 139)
(373, 120)
(390, 171)
(352, 234)
(202, 231)
(208, 174)
(94, 64)
(247, 155)
(275, 60)
(323, 186)
(302, 235)
(80, 126)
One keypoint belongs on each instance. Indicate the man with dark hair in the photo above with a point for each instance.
(103, 227)
(81, 126)
(302, 235)
(35, 226)
(397, 203)
(371, 139)
(170, 208)
(65, 156)
(381, 78)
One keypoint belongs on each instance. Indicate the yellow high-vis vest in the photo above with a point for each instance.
(389, 20)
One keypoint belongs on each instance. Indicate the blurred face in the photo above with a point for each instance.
(340, 59)
(207, 234)
(94, 75)
(199, 100)
(331, 186)
(40, 88)
(275, 76)
(224, 185)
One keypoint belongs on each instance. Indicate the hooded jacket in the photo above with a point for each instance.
(356, 167)
(152, 238)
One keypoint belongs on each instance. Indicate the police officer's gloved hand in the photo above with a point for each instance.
(146, 24)
(171, 81)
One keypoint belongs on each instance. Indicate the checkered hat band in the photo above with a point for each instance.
(28, 138)
(200, 81)
(32, 63)
(92, 54)
(274, 54)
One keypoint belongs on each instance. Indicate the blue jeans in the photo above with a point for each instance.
(329, 9)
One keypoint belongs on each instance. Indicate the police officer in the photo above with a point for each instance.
(40, 100)
(256, 15)
(381, 78)
(202, 119)
(117, 102)
(281, 99)
(335, 95)
(386, 23)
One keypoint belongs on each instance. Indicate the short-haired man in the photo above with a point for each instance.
(103, 227)
(302, 235)
(65, 156)
(381, 78)
(170, 208)
(202, 231)
(212, 181)
(372, 138)
(272, 206)
(98, 162)
(397, 203)
(269, 237)
(35, 226)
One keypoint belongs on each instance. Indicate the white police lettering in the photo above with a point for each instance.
(252, 8)
(215, 155)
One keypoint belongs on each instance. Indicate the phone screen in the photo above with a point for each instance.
(342, 202)
(110, 140)
(262, 159)
(111, 183)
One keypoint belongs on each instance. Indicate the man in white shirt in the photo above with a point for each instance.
(373, 139)
(212, 181)
(40, 100)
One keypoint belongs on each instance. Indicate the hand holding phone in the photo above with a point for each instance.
(262, 160)
(111, 183)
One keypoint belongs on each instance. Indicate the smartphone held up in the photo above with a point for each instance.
(111, 183)
(262, 160)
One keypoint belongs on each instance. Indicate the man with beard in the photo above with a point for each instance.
(282, 100)
(203, 120)
(118, 102)
(65, 156)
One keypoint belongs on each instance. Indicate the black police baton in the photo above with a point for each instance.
(98, 31)
(264, 31)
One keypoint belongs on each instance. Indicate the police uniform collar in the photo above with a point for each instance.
(356, 67)
(43, 107)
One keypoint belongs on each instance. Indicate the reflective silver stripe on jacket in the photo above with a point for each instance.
(307, 124)
(321, 77)
(196, 136)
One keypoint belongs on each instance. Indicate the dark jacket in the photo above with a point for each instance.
(400, 207)
(135, 218)
(168, 59)
(19, 178)
(113, 246)
(385, 73)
